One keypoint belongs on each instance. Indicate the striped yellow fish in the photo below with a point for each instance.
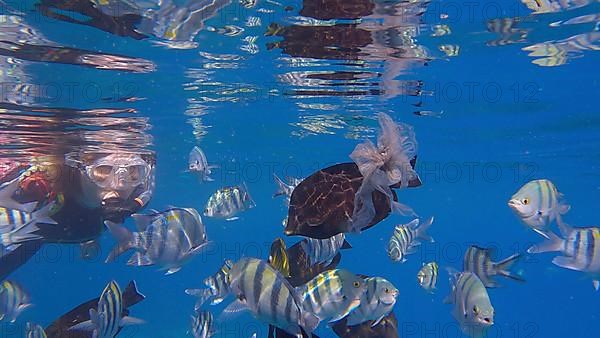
(478, 260)
(107, 319)
(333, 294)
(538, 203)
(406, 237)
(376, 302)
(427, 276)
(269, 296)
(13, 300)
(580, 247)
(218, 287)
(472, 307)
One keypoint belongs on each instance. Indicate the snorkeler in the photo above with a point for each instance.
(87, 189)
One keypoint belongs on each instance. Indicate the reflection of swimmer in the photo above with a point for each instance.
(175, 25)
(88, 189)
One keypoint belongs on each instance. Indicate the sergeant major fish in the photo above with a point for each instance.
(332, 294)
(427, 276)
(472, 307)
(197, 163)
(580, 247)
(168, 239)
(227, 202)
(203, 325)
(538, 203)
(81, 313)
(404, 240)
(376, 302)
(13, 300)
(269, 296)
(217, 284)
(106, 320)
(322, 251)
(18, 226)
(478, 261)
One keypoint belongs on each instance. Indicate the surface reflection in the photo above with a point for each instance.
(50, 151)
(364, 53)
(578, 32)
(169, 23)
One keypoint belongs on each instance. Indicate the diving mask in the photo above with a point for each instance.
(116, 171)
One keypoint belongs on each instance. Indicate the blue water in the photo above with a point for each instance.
(505, 121)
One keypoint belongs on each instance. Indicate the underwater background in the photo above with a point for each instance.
(499, 93)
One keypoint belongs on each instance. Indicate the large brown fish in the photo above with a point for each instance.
(321, 205)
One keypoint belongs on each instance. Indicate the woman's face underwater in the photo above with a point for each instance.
(113, 177)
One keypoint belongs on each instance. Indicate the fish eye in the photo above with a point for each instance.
(387, 290)
(356, 284)
(475, 309)
(526, 201)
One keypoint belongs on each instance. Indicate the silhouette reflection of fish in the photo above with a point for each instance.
(318, 41)
(321, 204)
(58, 329)
(337, 9)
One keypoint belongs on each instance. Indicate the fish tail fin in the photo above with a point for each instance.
(22, 234)
(422, 230)
(503, 267)
(553, 243)
(124, 238)
(132, 295)
(280, 186)
(202, 294)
